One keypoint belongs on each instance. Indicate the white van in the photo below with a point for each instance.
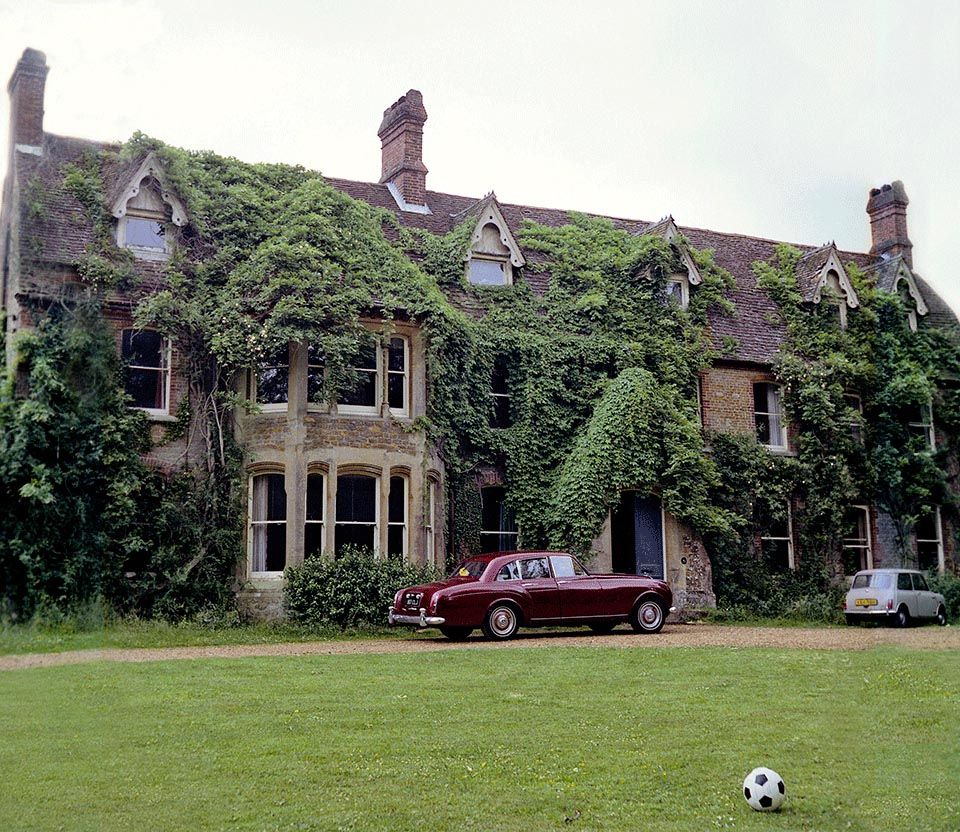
(896, 595)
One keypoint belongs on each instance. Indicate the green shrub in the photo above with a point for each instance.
(354, 589)
(949, 587)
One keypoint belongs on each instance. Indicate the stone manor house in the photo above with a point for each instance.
(358, 471)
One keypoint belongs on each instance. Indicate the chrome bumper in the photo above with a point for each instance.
(672, 609)
(422, 620)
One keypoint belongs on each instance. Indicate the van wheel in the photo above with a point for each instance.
(647, 617)
(501, 623)
(903, 617)
(941, 616)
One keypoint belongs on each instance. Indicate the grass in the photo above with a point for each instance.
(132, 632)
(581, 738)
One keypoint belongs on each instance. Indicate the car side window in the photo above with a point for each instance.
(509, 572)
(903, 581)
(919, 582)
(562, 566)
(534, 568)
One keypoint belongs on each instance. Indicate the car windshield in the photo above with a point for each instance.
(469, 569)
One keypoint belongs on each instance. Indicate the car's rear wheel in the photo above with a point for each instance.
(456, 633)
(902, 618)
(502, 622)
(603, 627)
(647, 617)
(941, 616)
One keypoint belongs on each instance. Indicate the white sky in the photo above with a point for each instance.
(756, 117)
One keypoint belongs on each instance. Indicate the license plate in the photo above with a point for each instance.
(866, 602)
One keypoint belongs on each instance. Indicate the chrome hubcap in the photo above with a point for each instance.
(650, 615)
(503, 621)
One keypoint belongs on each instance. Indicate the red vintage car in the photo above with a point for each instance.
(505, 591)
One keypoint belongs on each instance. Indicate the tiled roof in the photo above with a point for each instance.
(59, 232)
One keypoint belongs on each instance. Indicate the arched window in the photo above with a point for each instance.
(146, 357)
(313, 518)
(397, 509)
(268, 524)
(358, 509)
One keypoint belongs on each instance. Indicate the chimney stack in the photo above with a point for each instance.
(401, 136)
(26, 100)
(887, 208)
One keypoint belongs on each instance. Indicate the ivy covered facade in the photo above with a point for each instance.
(330, 363)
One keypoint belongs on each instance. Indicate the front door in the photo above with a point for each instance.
(637, 535)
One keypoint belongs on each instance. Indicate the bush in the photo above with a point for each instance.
(949, 587)
(354, 589)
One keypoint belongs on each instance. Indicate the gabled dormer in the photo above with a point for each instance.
(895, 275)
(146, 208)
(678, 285)
(492, 254)
(822, 279)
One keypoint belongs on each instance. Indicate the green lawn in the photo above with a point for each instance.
(517, 739)
(30, 638)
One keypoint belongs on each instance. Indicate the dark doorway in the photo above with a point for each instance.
(636, 532)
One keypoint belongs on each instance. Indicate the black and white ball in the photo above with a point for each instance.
(764, 790)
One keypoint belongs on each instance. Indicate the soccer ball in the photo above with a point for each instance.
(764, 790)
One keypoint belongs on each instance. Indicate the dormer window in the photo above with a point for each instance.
(484, 271)
(677, 290)
(147, 212)
(833, 295)
(493, 254)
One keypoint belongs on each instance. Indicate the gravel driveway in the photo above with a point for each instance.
(673, 635)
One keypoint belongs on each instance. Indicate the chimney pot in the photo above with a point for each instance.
(401, 137)
(26, 88)
(887, 208)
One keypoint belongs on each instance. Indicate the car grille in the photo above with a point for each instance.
(411, 600)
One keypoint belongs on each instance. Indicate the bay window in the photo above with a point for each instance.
(268, 524)
(358, 508)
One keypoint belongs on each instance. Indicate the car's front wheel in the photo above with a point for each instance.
(502, 622)
(941, 616)
(647, 617)
(902, 618)
(456, 633)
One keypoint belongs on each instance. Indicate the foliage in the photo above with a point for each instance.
(949, 587)
(71, 475)
(356, 588)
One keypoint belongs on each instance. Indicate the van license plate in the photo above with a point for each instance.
(866, 602)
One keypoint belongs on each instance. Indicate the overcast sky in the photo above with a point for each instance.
(755, 117)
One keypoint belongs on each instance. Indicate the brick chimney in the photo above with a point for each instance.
(887, 208)
(401, 135)
(26, 99)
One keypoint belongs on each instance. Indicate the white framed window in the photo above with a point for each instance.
(920, 422)
(855, 403)
(500, 393)
(397, 508)
(430, 520)
(146, 358)
(498, 526)
(316, 496)
(381, 373)
(267, 510)
(857, 543)
(776, 538)
(768, 415)
(272, 380)
(929, 542)
(357, 512)
(488, 271)
(677, 290)
(398, 386)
